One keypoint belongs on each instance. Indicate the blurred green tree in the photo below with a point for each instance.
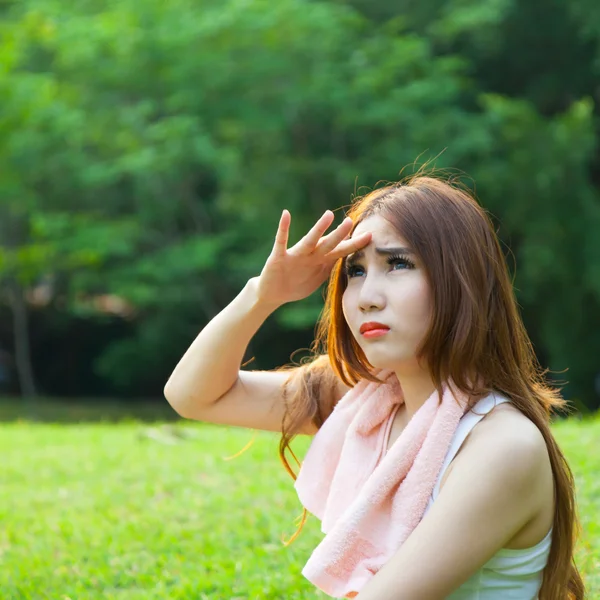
(150, 148)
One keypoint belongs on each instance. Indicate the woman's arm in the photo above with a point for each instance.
(488, 497)
(209, 371)
(210, 366)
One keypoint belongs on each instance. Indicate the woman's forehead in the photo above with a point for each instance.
(382, 232)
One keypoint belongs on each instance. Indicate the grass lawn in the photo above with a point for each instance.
(155, 510)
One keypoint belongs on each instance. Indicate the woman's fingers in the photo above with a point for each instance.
(333, 245)
(330, 241)
(310, 240)
(348, 246)
(283, 232)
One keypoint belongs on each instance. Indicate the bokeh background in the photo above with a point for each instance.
(147, 149)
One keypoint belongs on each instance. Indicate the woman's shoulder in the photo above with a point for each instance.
(506, 432)
(507, 439)
(504, 420)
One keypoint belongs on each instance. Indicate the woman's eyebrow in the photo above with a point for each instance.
(351, 258)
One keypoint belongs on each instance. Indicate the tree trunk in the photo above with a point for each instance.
(18, 306)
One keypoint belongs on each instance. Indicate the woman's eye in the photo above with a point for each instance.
(405, 263)
(351, 270)
(402, 261)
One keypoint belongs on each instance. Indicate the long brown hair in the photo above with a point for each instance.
(476, 328)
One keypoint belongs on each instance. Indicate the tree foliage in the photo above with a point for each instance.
(149, 148)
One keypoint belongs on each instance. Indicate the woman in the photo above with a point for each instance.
(420, 262)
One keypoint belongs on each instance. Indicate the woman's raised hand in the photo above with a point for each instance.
(294, 274)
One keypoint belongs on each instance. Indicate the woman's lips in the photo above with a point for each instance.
(371, 333)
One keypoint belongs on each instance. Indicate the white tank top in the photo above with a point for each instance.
(510, 574)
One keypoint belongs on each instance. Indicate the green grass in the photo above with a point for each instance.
(142, 511)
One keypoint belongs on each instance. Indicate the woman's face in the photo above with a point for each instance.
(389, 288)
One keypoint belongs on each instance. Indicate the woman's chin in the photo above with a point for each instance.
(381, 362)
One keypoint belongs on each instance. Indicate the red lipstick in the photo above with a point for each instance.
(373, 329)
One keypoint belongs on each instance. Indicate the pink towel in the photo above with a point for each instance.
(369, 501)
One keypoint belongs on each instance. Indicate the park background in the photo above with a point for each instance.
(147, 149)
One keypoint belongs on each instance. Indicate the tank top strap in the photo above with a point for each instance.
(465, 426)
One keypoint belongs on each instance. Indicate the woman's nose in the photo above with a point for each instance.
(371, 295)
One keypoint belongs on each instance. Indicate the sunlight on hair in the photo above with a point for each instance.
(243, 449)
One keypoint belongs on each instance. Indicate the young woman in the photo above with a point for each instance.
(418, 286)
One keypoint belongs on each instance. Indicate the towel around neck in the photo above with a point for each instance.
(369, 501)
